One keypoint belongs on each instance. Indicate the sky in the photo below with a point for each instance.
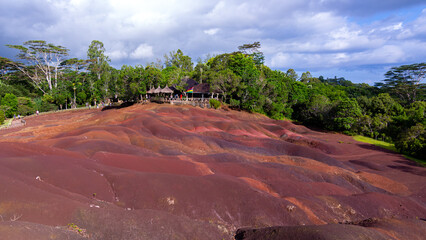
(356, 39)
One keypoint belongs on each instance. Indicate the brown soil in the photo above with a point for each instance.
(180, 172)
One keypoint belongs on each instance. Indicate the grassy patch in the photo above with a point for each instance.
(389, 146)
(385, 145)
(6, 123)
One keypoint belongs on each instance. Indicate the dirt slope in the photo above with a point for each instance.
(168, 172)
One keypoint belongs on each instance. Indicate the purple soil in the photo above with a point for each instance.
(167, 172)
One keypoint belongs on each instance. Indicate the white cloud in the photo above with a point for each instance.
(211, 31)
(117, 55)
(142, 51)
(300, 34)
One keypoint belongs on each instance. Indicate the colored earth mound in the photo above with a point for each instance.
(181, 172)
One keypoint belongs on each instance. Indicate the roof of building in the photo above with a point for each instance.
(158, 90)
(202, 88)
(151, 90)
(167, 90)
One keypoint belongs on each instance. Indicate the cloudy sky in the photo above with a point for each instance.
(356, 39)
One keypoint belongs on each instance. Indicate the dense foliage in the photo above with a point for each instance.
(393, 110)
(214, 103)
(2, 117)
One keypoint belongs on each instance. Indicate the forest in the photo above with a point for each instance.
(43, 78)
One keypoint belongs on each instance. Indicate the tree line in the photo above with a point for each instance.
(44, 78)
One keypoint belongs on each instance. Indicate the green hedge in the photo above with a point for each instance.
(214, 103)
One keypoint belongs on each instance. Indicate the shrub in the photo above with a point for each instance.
(413, 141)
(214, 103)
(48, 98)
(234, 102)
(2, 118)
(25, 106)
(10, 104)
(44, 106)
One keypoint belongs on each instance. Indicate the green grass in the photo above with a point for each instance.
(389, 146)
(385, 145)
(6, 123)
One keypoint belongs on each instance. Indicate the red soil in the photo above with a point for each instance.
(167, 172)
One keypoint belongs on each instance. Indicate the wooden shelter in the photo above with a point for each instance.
(157, 90)
(151, 91)
(167, 90)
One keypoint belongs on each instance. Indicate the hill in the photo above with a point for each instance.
(180, 172)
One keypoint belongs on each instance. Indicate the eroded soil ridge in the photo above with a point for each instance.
(180, 172)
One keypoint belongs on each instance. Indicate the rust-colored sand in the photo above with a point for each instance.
(173, 172)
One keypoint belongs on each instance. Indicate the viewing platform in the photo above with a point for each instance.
(196, 102)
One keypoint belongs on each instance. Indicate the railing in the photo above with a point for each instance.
(197, 102)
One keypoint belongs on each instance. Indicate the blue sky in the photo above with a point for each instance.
(359, 40)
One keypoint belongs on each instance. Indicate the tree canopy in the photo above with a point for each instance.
(406, 82)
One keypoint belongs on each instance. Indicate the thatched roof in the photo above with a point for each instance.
(158, 90)
(151, 91)
(167, 90)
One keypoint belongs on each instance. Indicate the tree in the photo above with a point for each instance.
(292, 74)
(316, 110)
(179, 60)
(9, 104)
(200, 72)
(171, 75)
(152, 77)
(307, 78)
(6, 66)
(98, 59)
(413, 141)
(346, 114)
(25, 106)
(75, 74)
(225, 82)
(44, 60)
(405, 82)
(299, 93)
(252, 49)
(99, 65)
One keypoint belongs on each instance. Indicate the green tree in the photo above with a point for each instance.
(252, 49)
(200, 72)
(299, 93)
(179, 60)
(405, 82)
(43, 62)
(152, 77)
(385, 104)
(9, 104)
(6, 67)
(98, 60)
(225, 82)
(347, 113)
(99, 66)
(306, 77)
(315, 111)
(413, 141)
(292, 74)
(171, 75)
(25, 106)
